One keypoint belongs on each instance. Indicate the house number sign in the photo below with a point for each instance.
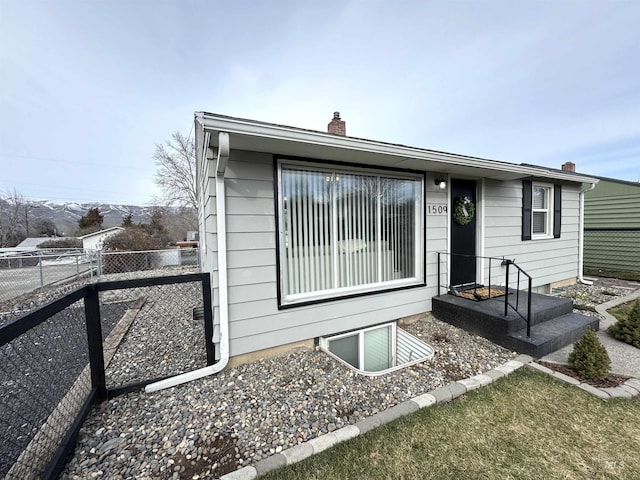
(436, 209)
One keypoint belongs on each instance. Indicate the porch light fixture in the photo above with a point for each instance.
(441, 182)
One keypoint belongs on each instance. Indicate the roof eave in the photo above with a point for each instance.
(281, 133)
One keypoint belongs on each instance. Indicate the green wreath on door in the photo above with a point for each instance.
(464, 210)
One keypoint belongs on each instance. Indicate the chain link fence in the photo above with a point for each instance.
(100, 340)
(122, 262)
(612, 253)
(24, 273)
(21, 275)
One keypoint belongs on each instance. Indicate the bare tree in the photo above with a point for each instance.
(44, 226)
(13, 219)
(176, 174)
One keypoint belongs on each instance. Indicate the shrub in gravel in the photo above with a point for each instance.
(628, 329)
(589, 357)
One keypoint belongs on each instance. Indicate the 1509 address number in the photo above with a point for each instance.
(437, 209)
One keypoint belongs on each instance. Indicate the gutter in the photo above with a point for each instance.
(223, 303)
(253, 128)
(581, 278)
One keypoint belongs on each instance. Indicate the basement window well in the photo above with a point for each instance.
(377, 350)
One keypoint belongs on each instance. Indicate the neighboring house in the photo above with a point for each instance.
(191, 240)
(612, 229)
(95, 240)
(308, 233)
(29, 244)
(33, 242)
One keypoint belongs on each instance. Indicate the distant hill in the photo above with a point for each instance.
(66, 215)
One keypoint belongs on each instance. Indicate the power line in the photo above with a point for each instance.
(68, 195)
(72, 162)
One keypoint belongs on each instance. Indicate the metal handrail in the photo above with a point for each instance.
(529, 288)
(506, 263)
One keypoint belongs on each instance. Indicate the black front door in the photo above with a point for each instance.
(463, 233)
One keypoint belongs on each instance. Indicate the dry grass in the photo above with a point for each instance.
(526, 426)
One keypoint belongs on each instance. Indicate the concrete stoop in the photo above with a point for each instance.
(316, 445)
(553, 322)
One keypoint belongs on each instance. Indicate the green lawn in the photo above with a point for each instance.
(525, 426)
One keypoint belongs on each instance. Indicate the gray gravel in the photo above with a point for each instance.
(53, 353)
(163, 326)
(217, 424)
(586, 297)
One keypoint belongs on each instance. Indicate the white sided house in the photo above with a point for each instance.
(95, 240)
(310, 234)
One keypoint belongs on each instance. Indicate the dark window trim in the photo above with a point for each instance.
(557, 210)
(317, 301)
(277, 157)
(276, 196)
(527, 210)
(527, 192)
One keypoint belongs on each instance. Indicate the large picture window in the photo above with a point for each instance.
(347, 231)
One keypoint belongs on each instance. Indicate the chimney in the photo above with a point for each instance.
(337, 126)
(569, 167)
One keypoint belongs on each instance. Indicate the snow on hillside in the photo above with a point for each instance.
(65, 215)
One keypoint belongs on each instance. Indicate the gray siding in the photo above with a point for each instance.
(548, 260)
(255, 321)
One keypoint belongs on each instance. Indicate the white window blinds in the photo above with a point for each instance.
(343, 230)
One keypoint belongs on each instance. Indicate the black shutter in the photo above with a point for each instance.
(526, 210)
(557, 210)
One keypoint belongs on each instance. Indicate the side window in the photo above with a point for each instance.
(541, 213)
(541, 210)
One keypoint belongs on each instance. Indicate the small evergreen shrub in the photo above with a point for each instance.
(628, 329)
(589, 357)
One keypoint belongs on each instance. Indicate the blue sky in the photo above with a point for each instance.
(87, 88)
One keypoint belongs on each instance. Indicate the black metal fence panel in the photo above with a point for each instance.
(158, 337)
(101, 339)
(44, 380)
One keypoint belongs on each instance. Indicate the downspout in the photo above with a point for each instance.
(223, 305)
(581, 278)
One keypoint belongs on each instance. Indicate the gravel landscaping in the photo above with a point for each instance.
(38, 368)
(217, 424)
(586, 297)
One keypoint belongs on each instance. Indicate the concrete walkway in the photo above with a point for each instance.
(625, 358)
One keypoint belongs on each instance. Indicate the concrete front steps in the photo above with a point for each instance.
(553, 323)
